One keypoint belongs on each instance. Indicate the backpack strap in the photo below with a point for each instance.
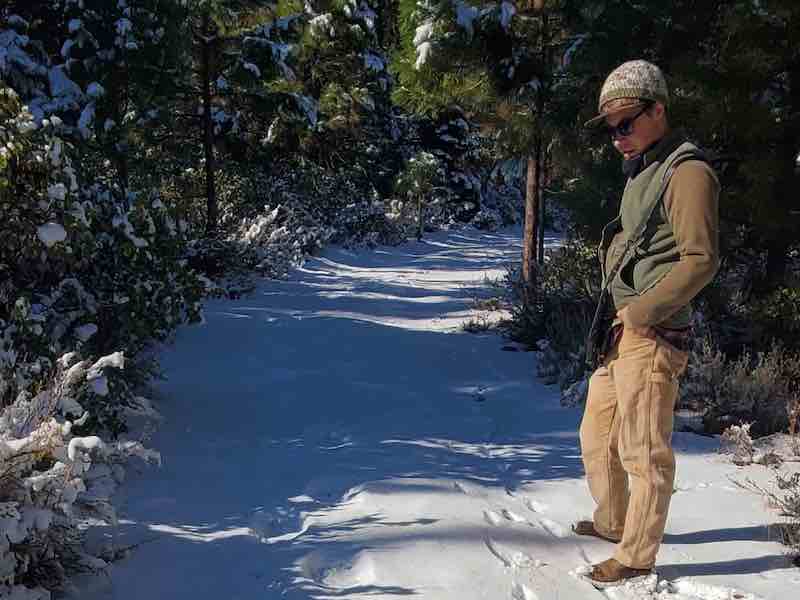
(633, 241)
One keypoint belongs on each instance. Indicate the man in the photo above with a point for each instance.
(627, 423)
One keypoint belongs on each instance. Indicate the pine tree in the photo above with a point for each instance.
(506, 66)
(235, 77)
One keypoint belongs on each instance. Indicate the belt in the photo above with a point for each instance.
(679, 338)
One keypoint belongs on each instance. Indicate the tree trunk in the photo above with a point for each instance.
(420, 217)
(531, 215)
(120, 93)
(782, 231)
(541, 150)
(543, 201)
(212, 210)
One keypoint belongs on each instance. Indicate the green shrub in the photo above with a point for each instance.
(762, 388)
(558, 318)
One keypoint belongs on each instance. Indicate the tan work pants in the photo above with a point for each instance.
(626, 443)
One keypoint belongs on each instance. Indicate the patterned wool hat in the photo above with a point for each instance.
(627, 86)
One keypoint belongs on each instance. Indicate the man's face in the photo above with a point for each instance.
(646, 128)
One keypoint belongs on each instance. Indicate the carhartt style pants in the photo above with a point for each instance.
(626, 444)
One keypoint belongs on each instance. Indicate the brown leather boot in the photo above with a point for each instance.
(612, 572)
(587, 528)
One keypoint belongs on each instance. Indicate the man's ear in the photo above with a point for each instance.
(658, 111)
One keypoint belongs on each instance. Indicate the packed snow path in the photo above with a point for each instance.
(338, 435)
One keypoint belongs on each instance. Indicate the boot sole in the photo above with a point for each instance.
(604, 585)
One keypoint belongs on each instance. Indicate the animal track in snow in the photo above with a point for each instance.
(470, 489)
(339, 570)
(553, 528)
(520, 591)
(512, 516)
(509, 557)
(535, 505)
(279, 525)
(492, 518)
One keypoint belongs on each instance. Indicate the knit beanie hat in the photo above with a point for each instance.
(629, 85)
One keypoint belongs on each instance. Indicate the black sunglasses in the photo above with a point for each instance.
(625, 127)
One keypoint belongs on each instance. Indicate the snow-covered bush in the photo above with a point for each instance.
(281, 217)
(92, 273)
(736, 441)
(86, 267)
(52, 479)
(789, 504)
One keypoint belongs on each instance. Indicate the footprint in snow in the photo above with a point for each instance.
(510, 557)
(279, 525)
(469, 489)
(512, 516)
(535, 505)
(339, 570)
(492, 518)
(460, 488)
(553, 528)
(520, 591)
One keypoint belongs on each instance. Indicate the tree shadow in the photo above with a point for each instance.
(740, 566)
(756, 533)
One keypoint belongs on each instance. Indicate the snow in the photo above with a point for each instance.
(566, 61)
(337, 435)
(423, 33)
(51, 234)
(62, 85)
(86, 120)
(58, 191)
(113, 361)
(507, 10)
(86, 444)
(309, 107)
(95, 90)
(11, 52)
(122, 222)
(423, 52)
(99, 386)
(248, 66)
(465, 15)
(124, 26)
(86, 332)
(373, 62)
(322, 24)
(17, 21)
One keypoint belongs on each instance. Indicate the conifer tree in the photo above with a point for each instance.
(237, 75)
(504, 63)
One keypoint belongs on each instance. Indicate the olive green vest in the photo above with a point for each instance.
(657, 252)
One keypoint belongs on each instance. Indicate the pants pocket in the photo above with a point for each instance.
(668, 362)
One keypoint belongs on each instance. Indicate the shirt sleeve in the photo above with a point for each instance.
(692, 206)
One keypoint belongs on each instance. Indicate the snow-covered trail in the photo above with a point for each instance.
(337, 435)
